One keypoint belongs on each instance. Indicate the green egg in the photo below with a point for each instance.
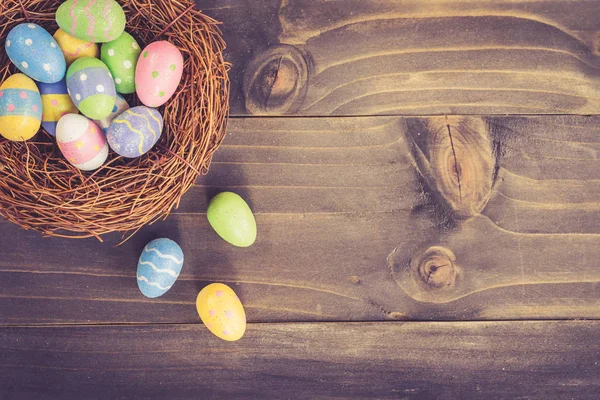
(232, 219)
(120, 56)
(91, 87)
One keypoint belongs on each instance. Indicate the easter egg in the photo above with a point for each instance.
(91, 87)
(120, 107)
(135, 131)
(158, 73)
(35, 53)
(20, 108)
(159, 266)
(91, 20)
(120, 56)
(81, 142)
(232, 219)
(55, 103)
(221, 311)
(74, 48)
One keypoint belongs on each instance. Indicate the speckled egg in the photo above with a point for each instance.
(92, 20)
(221, 311)
(74, 48)
(121, 56)
(232, 219)
(120, 107)
(158, 73)
(20, 108)
(35, 53)
(159, 266)
(55, 103)
(81, 142)
(91, 87)
(135, 131)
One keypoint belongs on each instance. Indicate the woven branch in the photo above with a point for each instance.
(40, 190)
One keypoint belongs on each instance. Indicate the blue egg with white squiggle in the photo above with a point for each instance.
(159, 266)
(35, 53)
(135, 131)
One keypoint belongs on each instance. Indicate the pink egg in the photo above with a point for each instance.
(158, 73)
(81, 142)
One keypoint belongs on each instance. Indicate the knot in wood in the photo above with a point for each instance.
(275, 81)
(436, 269)
(462, 164)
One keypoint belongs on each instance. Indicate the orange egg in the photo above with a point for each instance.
(221, 311)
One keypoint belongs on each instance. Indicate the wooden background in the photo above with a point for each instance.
(426, 186)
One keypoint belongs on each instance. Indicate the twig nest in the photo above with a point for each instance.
(41, 190)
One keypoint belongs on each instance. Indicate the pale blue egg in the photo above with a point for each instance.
(159, 266)
(35, 53)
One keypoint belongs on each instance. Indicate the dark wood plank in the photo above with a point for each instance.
(503, 360)
(357, 57)
(351, 214)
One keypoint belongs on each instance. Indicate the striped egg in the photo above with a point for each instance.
(81, 142)
(158, 73)
(91, 87)
(20, 108)
(35, 53)
(74, 48)
(158, 267)
(91, 20)
(55, 103)
(120, 56)
(120, 107)
(135, 131)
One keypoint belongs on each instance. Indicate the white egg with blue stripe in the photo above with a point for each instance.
(159, 267)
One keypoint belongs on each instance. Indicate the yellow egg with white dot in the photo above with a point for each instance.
(221, 311)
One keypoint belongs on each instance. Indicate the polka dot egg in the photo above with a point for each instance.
(55, 103)
(120, 107)
(91, 87)
(120, 56)
(35, 53)
(81, 142)
(221, 311)
(158, 73)
(158, 267)
(20, 108)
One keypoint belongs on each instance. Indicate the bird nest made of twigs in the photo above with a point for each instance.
(41, 190)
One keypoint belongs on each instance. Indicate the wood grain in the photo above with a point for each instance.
(356, 222)
(533, 360)
(356, 57)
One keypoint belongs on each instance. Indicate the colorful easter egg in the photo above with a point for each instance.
(55, 103)
(74, 48)
(135, 131)
(91, 87)
(121, 56)
(158, 73)
(92, 20)
(81, 142)
(20, 108)
(221, 311)
(232, 219)
(35, 53)
(159, 266)
(120, 107)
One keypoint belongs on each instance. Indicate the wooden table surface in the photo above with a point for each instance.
(426, 183)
